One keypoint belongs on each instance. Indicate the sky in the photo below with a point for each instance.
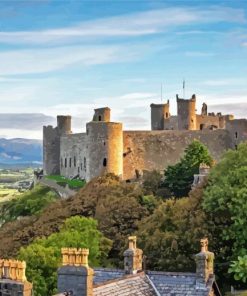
(69, 57)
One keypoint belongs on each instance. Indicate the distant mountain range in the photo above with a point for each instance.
(20, 152)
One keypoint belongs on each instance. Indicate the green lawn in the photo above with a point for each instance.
(64, 181)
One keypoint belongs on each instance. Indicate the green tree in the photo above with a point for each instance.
(43, 256)
(170, 236)
(152, 181)
(225, 200)
(29, 203)
(179, 177)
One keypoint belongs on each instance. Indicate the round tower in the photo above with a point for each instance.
(105, 149)
(186, 111)
(64, 124)
(159, 113)
(102, 114)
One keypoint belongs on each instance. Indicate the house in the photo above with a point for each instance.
(76, 278)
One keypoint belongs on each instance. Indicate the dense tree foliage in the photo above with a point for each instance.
(29, 203)
(43, 256)
(225, 200)
(179, 177)
(170, 236)
(152, 181)
(116, 205)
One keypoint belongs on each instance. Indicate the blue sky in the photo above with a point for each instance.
(69, 57)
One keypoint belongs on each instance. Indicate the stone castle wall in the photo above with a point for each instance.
(237, 129)
(51, 151)
(73, 155)
(145, 150)
(207, 121)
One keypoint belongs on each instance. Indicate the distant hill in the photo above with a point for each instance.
(20, 152)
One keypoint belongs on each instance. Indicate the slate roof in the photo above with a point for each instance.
(171, 283)
(114, 282)
(130, 285)
(106, 274)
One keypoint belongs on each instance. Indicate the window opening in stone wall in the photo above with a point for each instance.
(166, 114)
(201, 126)
(236, 135)
(65, 162)
(100, 118)
(87, 131)
(104, 162)
(85, 162)
(70, 162)
(74, 161)
(78, 170)
(61, 167)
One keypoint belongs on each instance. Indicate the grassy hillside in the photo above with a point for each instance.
(26, 204)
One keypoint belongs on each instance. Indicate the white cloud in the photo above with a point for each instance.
(135, 24)
(46, 60)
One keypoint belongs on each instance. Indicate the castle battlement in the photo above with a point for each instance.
(107, 148)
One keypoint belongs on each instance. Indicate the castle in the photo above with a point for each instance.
(106, 147)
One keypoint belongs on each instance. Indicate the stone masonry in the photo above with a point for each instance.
(106, 147)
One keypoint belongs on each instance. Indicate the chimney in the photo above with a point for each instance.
(75, 276)
(132, 257)
(204, 264)
(12, 274)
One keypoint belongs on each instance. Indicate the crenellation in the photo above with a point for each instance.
(107, 148)
(13, 279)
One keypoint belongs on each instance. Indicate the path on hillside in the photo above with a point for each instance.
(63, 192)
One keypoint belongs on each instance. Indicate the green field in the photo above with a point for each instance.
(9, 179)
(74, 184)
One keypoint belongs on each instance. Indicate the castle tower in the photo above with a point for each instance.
(51, 144)
(102, 114)
(186, 111)
(159, 113)
(105, 146)
(64, 124)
